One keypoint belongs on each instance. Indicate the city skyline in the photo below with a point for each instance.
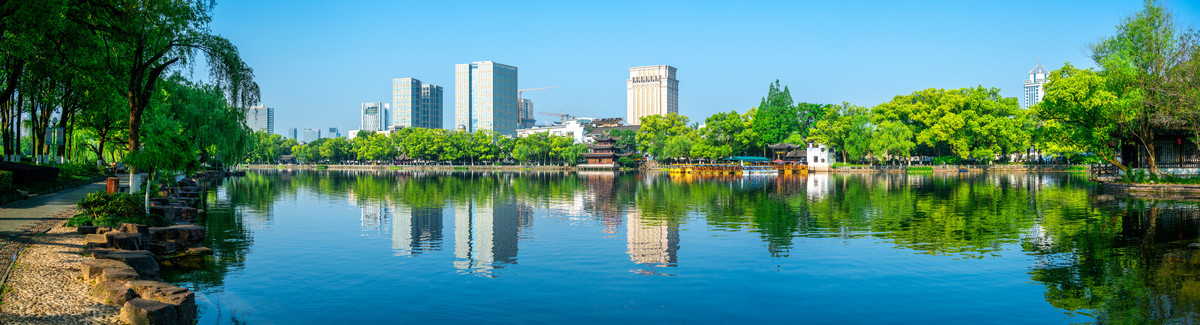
(828, 52)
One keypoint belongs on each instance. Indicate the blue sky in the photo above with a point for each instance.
(317, 61)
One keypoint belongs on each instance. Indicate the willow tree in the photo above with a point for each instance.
(147, 38)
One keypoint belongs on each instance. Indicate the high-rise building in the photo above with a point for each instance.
(416, 104)
(291, 134)
(376, 116)
(311, 135)
(333, 133)
(485, 97)
(525, 114)
(1033, 86)
(650, 90)
(260, 118)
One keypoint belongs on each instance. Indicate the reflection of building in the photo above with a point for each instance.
(374, 216)
(485, 233)
(416, 230)
(651, 241)
(818, 186)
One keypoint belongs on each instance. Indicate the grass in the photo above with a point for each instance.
(280, 167)
(395, 168)
(460, 168)
(913, 169)
(322, 166)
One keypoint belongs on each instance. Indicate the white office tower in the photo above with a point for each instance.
(416, 104)
(485, 97)
(261, 119)
(376, 116)
(650, 90)
(1033, 86)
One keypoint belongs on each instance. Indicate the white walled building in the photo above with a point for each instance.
(820, 157)
(576, 128)
(260, 118)
(1034, 90)
(650, 90)
(376, 116)
(485, 97)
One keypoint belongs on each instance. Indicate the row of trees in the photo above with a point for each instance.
(1147, 84)
(108, 75)
(424, 145)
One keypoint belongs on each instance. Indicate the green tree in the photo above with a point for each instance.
(336, 149)
(892, 139)
(656, 129)
(1080, 110)
(775, 117)
(846, 127)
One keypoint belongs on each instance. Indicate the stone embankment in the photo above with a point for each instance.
(125, 270)
(111, 275)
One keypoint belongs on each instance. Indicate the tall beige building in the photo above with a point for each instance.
(650, 90)
(485, 97)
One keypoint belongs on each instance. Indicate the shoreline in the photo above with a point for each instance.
(519, 168)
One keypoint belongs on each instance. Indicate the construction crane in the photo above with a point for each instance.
(525, 119)
(562, 117)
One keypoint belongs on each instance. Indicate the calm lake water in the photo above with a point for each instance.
(324, 247)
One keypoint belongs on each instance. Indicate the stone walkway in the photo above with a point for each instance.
(45, 286)
(22, 220)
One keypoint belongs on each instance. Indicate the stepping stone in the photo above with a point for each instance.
(145, 311)
(111, 293)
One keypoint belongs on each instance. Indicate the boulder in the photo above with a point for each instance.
(164, 248)
(118, 274)
(182, 300)
(102, 230)
(192, 258)
(145, 311)
(87, 229)
(111, 293)
(185, 235)
(95, 240)
(93, 269)
(126, 241)
(141, 261)
(135, 228)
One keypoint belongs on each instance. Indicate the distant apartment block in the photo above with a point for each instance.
(485, 97)
(261, 119)
(416, 104)
(1033, 86)
(376, 116)
(525, 118)
(311, 135)
(333, 133)
(291, 134)
(650, 90)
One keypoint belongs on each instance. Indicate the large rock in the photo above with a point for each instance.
(93, 269)
(126, 241)
(87, 229)
(184, 235)
(142, 261)
(162, 248)
(95, 240)
(182, 300)
(111, 293)
(135, 228)
(118, 274)
(145, 311)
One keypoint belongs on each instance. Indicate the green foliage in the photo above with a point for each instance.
(919, 168)
(626, 162)
(974, 123)
(1081, 110)
(111, 210)
(847, 128)
(655, 130)
(5, 180)
(946, 160)
(775, 118)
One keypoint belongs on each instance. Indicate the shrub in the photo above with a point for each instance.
(920, 168)
(5, 180)
(1077, 168)
(111, 210)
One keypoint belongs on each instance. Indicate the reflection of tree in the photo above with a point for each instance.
(1123, 262)
(228, 233)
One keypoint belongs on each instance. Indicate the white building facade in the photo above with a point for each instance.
(376, 116)
(575, 129)
(650, 90)
(1034, 91)
(261, 119)
(485, 97)
(416, 104)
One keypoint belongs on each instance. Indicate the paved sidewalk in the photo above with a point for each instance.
(21, 215)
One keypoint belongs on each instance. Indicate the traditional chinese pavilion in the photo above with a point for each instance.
(605, 152)
(787, 152)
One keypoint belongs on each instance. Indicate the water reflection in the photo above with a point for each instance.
(1097, 254)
